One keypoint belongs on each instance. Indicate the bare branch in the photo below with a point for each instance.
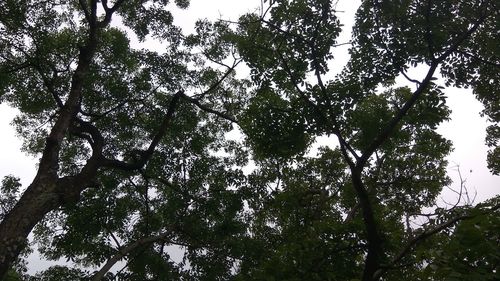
(384, 135)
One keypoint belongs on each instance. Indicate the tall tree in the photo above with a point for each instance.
(389, 163)
(92, 106)
(136, 163)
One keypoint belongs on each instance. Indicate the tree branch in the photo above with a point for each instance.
(426, 234)
(109, 12)
(485, 61)
(219, 82)
(85, 9)
(374, 239)
(428, 34)
(146, 155)
(208, 109)
(125, 251)
(384, 135)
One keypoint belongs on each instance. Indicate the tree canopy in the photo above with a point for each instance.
(138, 164)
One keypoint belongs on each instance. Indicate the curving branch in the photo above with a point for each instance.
(119, 105)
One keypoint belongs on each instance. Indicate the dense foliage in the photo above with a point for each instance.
(139, 164)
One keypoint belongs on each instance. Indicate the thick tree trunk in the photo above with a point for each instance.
(48, 191)
(39, 199)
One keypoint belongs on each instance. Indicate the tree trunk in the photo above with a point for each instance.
(374, 241)
(39, 199)
(48, 191)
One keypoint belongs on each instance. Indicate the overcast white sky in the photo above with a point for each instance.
(466, 129)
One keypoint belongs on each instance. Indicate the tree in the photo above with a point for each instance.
(393, 160)
(92, 106)
(135, 158)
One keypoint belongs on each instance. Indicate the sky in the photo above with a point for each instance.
(466, 128)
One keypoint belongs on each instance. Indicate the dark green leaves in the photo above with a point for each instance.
(9, 193)
(194, 209)
(273, 127)
(471, 251)
(492, 141)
